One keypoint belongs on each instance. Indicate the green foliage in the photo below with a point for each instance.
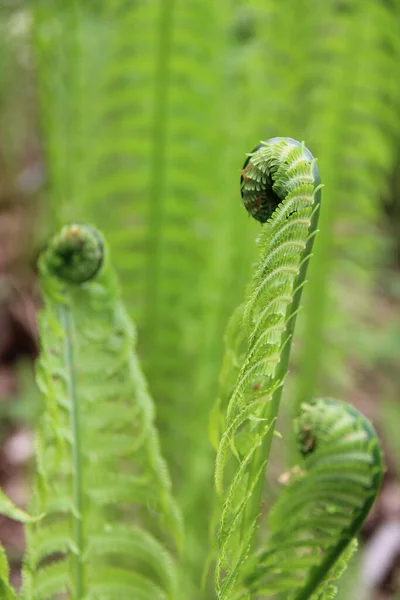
(315, 519)
(138, 139)
(99, 468)
(321, 510)
(287, 169)
(145, 108)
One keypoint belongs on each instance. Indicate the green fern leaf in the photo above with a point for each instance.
(98, 458)
(283, 172)
(327, 590)
(314, 522)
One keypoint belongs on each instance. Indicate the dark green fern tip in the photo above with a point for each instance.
(260, 187)
(75, 255)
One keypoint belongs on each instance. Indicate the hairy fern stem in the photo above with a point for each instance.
(271, 411)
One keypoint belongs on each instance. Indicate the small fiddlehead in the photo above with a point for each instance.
(322, 509)
(110, 524)
(282, 173)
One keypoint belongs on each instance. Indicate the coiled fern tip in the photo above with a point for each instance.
(259, 177)
(74, 255)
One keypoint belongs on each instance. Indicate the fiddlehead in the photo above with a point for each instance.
(260, 190)
(322, 509)
(110, 523)
(280, 168)
(76, 254)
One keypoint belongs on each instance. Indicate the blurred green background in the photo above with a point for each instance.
(136, 116)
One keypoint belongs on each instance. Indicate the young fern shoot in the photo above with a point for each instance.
(99, 467)
(280, 186)
(313, 524)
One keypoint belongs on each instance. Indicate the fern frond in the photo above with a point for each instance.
(281, 171)
(132, 110)
(98, 458)
(314, 522)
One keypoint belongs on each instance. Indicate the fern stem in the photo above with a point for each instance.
(78, 579)
(315, 313)
(331, 558)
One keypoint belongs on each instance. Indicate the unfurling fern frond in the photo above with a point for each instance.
(315, 520)
(279, 178)
(110, 523)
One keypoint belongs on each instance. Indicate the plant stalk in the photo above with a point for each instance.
(78, 581)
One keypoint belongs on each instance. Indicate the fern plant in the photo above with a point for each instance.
(105, 522)
(139, 116)
(280, 187)
(99, 467)
(313, 524)
(280, 178)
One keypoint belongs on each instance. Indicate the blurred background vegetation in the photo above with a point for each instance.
(136, 116)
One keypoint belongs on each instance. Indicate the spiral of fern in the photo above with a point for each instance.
(313, 524)
(260, 190)
(76, 254)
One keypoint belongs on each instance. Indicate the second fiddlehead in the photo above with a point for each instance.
(109, 522)
(320, 512)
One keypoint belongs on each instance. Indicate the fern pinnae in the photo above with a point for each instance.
(280, 187)
(91, 496)
(314, 522)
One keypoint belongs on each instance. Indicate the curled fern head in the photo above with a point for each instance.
(316, 518)
(75, 254)
(261, 182)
